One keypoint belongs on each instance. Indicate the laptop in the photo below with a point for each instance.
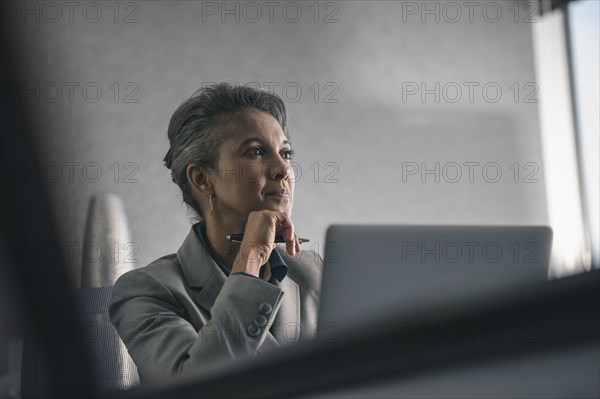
(390, 272)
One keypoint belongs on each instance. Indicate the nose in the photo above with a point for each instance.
(280, 169)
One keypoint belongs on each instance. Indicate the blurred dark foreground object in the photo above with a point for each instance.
(43, 287)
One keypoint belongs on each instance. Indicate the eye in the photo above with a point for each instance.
(255, 152)
(287, 154)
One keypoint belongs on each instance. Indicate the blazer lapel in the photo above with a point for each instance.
(200, 270)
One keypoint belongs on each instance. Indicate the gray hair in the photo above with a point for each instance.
(196, 128)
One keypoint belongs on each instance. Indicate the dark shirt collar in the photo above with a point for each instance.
(279, 268)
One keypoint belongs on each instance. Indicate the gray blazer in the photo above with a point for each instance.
(181, 311)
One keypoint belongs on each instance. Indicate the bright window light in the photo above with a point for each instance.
(584, 34)
(570, 252)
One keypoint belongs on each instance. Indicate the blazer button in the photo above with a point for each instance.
(253, 330)
(265, 308)
(261, 320)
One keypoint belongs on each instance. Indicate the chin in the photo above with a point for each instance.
(276, 208)
(286, 208)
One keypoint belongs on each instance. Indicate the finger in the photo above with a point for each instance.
(290, 248)
(286, 228)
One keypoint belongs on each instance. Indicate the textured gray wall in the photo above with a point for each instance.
(365, 61)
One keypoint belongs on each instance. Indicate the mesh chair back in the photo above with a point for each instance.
(114, 368)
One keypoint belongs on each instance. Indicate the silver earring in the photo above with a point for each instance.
(210, 202)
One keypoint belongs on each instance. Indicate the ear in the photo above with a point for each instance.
(198, 179)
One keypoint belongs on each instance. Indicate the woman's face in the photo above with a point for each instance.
(254, 171)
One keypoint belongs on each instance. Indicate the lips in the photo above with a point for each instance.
(279, 192)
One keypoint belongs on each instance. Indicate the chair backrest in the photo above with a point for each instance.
(114, 368)
(105, 258)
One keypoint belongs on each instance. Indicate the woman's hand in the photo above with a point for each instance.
(259, 240)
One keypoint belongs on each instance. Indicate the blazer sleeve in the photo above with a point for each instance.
(152, 323)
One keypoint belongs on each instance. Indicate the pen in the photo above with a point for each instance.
(240, 237)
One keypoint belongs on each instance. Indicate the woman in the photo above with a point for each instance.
(229, 154)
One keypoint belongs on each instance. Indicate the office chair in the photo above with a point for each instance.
(106, 231)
